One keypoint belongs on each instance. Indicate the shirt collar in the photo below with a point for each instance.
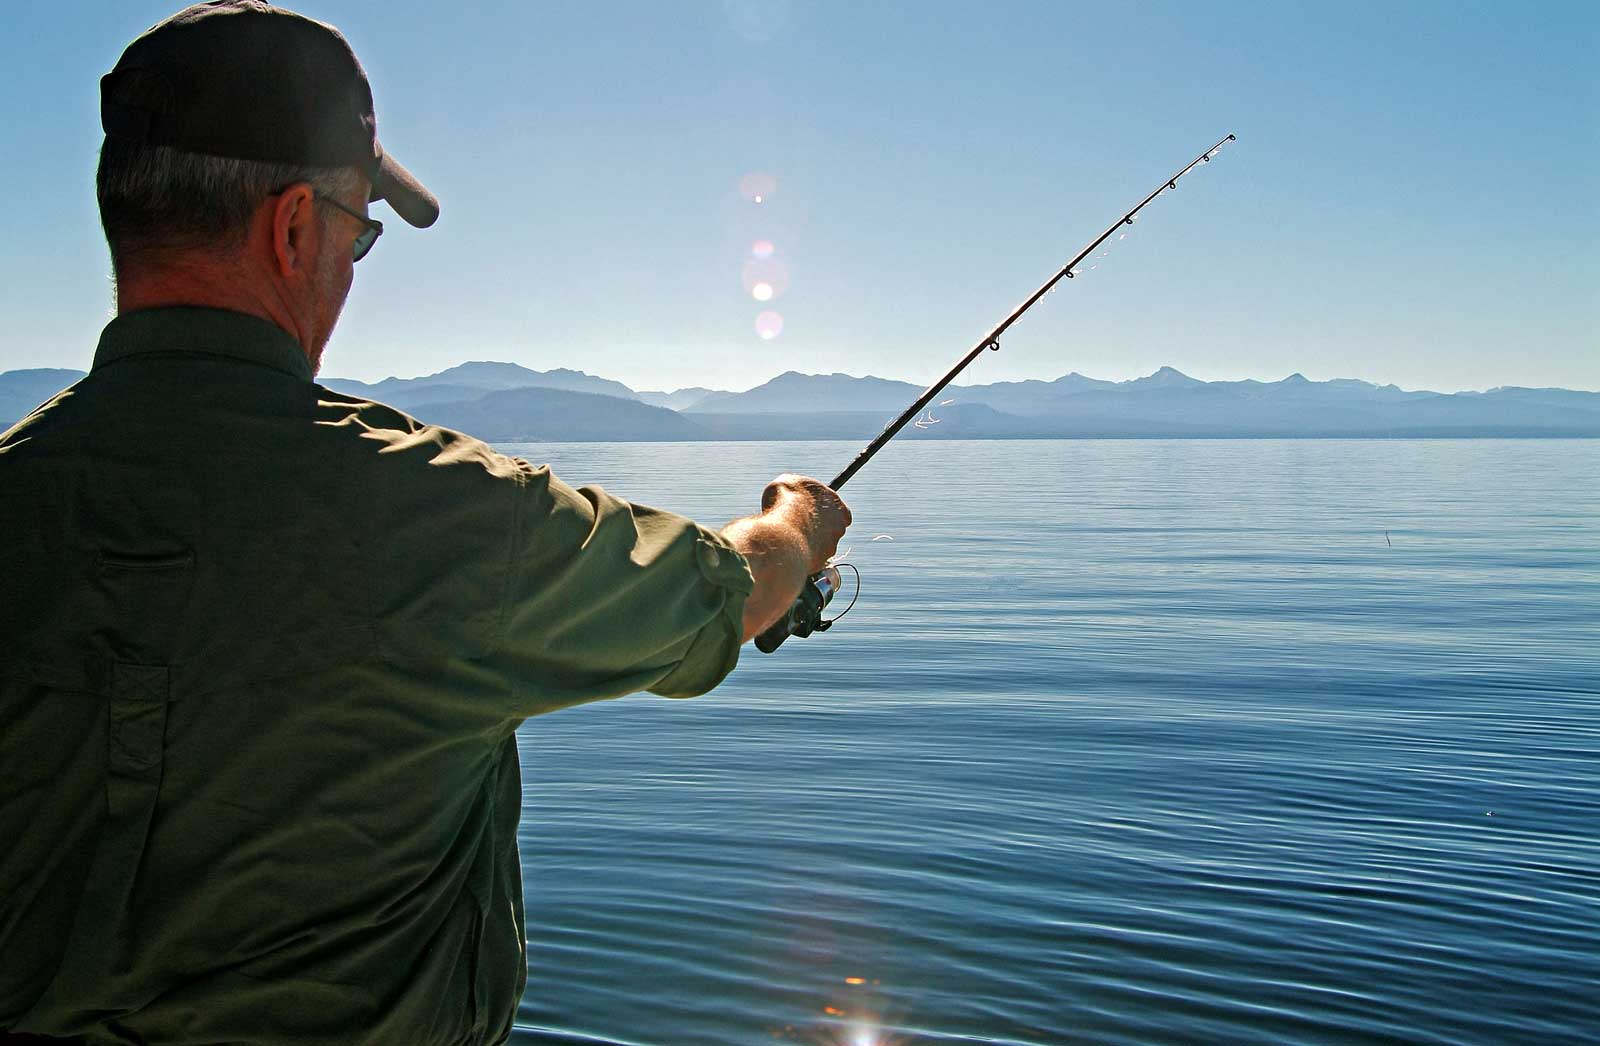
(211, 332)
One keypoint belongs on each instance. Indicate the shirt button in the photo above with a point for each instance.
(710, 557)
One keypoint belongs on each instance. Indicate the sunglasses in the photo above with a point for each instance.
(367, 237)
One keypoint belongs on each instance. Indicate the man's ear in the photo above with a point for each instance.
(294, 229)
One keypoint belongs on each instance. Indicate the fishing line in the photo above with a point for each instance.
(824, 626)
(805, 615)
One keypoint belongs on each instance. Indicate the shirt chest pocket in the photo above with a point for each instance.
(143, 599)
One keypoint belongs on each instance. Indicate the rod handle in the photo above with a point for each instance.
(804, 616)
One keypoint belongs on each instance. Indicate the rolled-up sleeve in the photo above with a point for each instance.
(605, 597)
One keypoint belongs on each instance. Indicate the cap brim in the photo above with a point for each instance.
(410, 199)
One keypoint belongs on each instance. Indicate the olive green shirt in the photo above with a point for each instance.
(263, 649)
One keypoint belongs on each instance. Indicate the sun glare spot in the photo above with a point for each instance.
(769, 271)
(757, 186)
(761, 292)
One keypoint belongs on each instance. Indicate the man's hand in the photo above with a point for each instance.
(799, 528)
(815, 509)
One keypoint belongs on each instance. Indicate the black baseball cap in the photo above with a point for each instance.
(246, 80)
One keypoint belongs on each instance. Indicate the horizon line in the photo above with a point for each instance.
(879, 377)
(1002, 381)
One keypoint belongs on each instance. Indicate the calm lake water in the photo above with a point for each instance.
(1125, 742)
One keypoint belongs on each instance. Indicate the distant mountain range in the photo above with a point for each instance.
(504, 402)
(471, 381)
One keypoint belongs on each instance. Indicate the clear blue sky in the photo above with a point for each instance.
(1412, 199)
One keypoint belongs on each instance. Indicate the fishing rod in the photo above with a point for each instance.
(805, 616)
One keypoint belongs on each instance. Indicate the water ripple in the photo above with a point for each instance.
(1131, 742)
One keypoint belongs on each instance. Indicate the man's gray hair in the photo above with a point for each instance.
(156, 200)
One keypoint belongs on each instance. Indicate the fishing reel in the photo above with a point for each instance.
(805, 615)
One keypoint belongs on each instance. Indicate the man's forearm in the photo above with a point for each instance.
(779, 554)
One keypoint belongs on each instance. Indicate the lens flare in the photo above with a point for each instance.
(769, 325)
(757, 186)
(757, 21)
(771, 272)
(761, 292)
(761, 250)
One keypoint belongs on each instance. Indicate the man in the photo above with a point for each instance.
(265, 646)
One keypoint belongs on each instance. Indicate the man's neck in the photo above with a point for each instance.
(209, 285)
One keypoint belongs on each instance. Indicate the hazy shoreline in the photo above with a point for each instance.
(505, 402)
